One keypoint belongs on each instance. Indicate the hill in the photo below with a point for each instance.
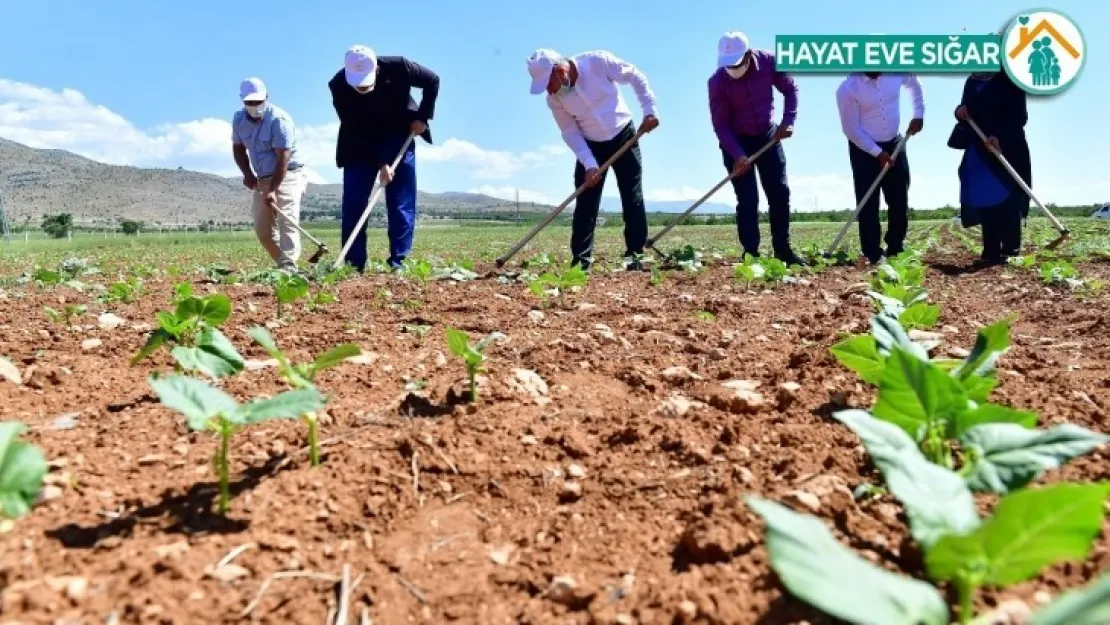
(36, 182)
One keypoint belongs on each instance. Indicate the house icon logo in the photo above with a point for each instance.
(1043, 51)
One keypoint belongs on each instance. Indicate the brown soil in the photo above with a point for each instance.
(450, 513)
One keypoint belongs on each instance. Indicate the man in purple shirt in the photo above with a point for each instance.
(741, 103)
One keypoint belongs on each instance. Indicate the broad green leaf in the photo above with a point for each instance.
(157, 338)
(262, 336)
(990, 343)
(1030, 530)
(887, 305)
(978, 388)
(336, 356)
(889, 334)
(197, 400)
(827, 575)
(213, 355)
(170, 323)
(914, 392)
(214, 309)
(936, 500)
(1084, 606)
(991, 413)
(920, 316)
(287, 405)
(1007, 456)
(290, 288)
(22, 467)
(860, 354)
(457, 341)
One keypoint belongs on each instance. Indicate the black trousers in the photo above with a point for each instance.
(630, 174)
(1001, 226)
(895, 188)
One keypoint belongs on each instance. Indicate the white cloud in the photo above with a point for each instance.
(488, 164)
(67, 120)
(510, 193)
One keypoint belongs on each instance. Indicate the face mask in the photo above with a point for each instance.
(737, 72)
(254, 111)
(565, 87)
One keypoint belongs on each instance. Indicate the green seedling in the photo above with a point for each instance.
(122, 292)
(705, 315)
(207, 408)
(657, 276)
(761, 270)
(303, 376)
(66, 315)
(421, 270)
(192, 328)
(1028, 531)
(22, 468)
(574, 277)
(289, 288)
(473, 356)
(182, 291)
(319, 299)
(943, 407)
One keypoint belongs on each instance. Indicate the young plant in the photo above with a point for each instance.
(421, 270)
(22, 467)
(562, 282)
(67, 314)
(473, 356)
(289, 288)
(122, 292)
(303, 376)
(944, 410)
(207, 408)
(193, 330)
(761, 270)
(319, 299)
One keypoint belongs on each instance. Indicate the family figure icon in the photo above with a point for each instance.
(1045, 51)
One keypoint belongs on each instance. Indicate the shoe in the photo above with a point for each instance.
(790, 258)
(878, 260)
(633, 265)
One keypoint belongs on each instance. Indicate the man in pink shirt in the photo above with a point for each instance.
(742, 104)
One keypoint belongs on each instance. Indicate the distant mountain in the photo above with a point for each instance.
(35, 182)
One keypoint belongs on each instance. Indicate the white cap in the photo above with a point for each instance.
(540, 65)
(361, 66)
(252, 89)
(731, 48)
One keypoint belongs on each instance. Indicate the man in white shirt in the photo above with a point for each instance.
(595, 122)
(869, 105)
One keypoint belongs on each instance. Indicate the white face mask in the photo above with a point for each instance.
(737, 72)
(254, 111)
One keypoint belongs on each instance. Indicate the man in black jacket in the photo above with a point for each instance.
(376, 115)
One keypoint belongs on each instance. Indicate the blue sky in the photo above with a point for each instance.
(155, 84)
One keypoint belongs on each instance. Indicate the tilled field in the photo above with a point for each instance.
(599, 478)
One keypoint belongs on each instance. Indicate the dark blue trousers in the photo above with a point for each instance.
(400, 202)
(771, 167)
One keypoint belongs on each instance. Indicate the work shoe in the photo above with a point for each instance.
(790, 258)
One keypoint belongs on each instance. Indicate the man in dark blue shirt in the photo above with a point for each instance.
(371, 96)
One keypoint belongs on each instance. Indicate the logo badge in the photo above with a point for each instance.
(1043, 51)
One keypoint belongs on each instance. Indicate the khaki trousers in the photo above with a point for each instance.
(281, 240)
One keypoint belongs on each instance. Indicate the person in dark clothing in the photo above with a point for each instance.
(989, 196)
(371, 96)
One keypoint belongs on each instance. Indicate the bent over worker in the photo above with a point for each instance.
(371, 96)
(742, 106)
(595, 122)
(869, 105)
(263, 137)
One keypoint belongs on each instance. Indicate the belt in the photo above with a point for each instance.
(290, 169)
